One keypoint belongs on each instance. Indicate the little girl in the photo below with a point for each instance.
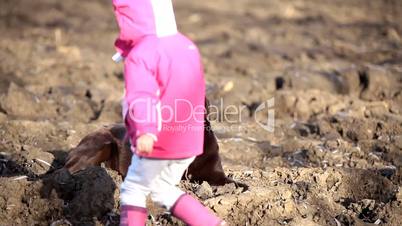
(163, 110)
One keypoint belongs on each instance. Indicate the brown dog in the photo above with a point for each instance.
(111, 146)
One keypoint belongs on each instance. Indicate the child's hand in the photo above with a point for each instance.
(145, 143)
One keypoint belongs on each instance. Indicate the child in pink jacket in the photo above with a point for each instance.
(163, 110)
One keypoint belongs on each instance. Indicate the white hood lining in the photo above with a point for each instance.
(165, 22)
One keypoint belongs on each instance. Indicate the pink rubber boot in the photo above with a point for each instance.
(133, 216)
(193, 213)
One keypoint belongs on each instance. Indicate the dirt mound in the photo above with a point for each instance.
(85, 198)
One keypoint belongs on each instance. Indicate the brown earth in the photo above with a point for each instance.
(333, 66)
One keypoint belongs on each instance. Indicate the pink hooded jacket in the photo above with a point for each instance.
(164, 80)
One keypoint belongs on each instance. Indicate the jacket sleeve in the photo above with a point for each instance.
(142, 98)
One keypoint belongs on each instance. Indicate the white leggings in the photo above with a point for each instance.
(155, 177)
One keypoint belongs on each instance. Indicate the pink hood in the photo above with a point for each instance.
(139, 18)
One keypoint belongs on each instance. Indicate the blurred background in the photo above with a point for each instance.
(334, 68)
